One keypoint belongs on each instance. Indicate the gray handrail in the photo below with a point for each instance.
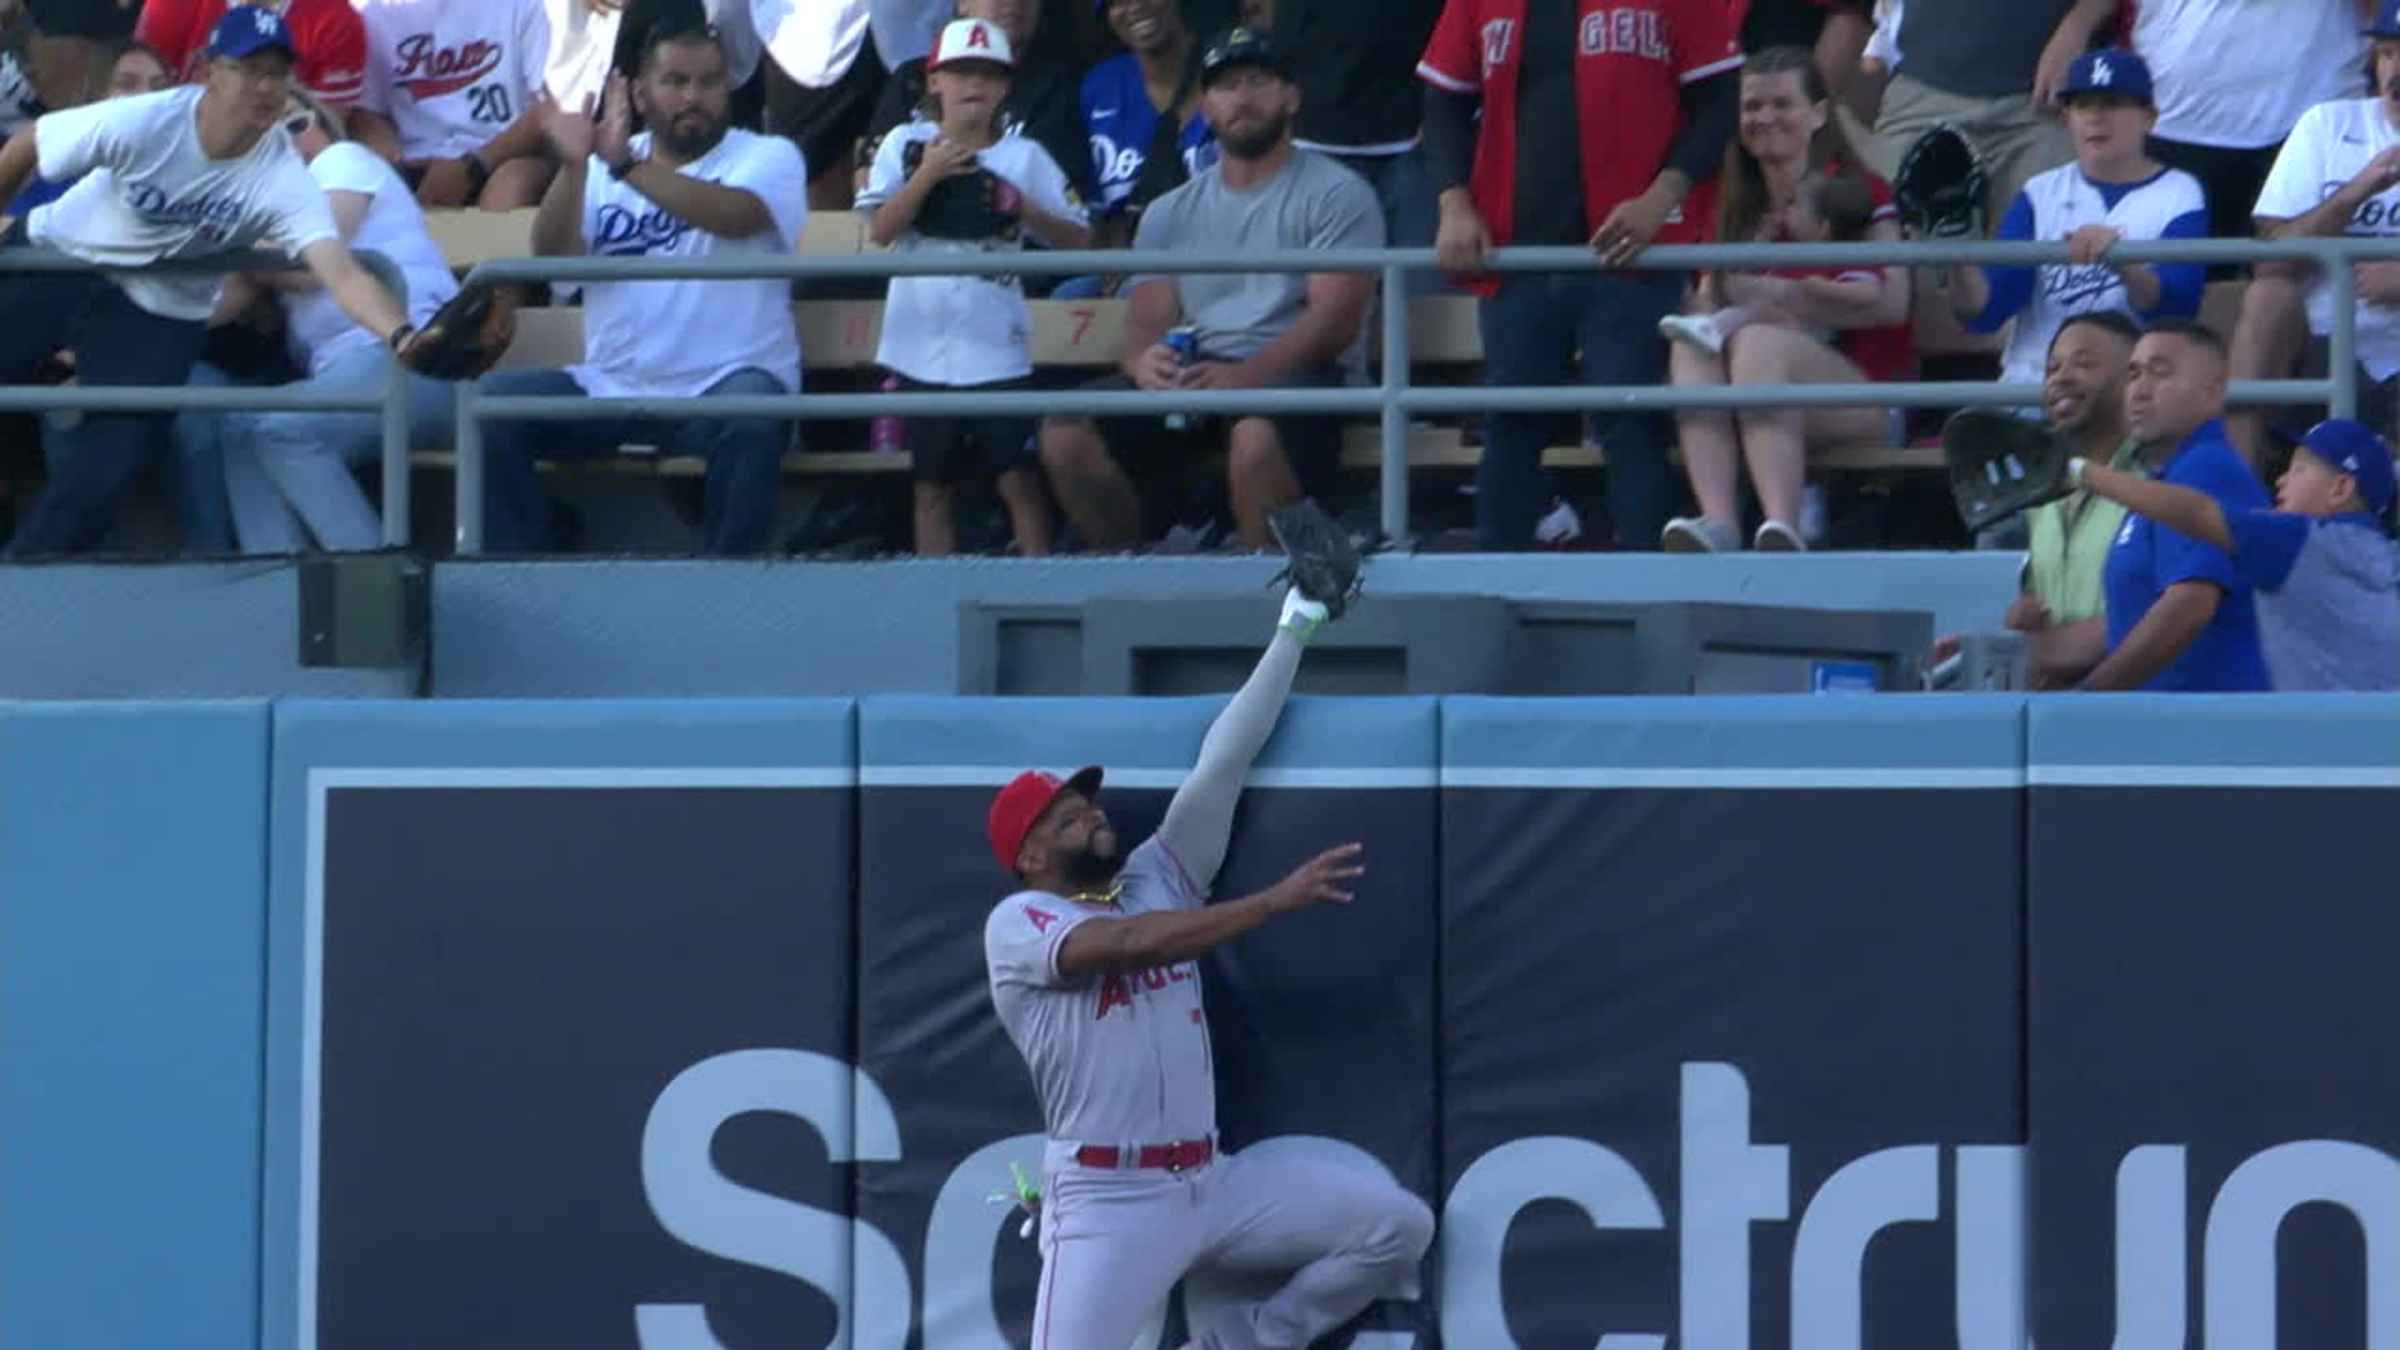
(1393, 399)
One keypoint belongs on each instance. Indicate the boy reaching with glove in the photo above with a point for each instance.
(2326, 574)
(956, 183)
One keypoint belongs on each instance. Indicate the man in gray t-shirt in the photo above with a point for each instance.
(2326, 575)
(1249, 330)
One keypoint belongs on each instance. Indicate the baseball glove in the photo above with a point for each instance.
(978, 205)
(465, 337)
(1939, 188)
(2000, 465)
(1320, 560)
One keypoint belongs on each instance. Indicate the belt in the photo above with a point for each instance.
(1180, 1156)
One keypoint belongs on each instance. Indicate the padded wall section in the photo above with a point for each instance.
(561, 1015)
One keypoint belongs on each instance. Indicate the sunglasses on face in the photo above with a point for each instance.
(298, 122)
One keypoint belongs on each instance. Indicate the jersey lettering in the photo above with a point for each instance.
(430, 72)
(1118, 988)
(1497, 35)
(1623, 32)
(625, 233)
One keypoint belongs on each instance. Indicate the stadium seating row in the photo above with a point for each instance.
(841, 336)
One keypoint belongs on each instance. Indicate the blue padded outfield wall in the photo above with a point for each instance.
(1715, 1023)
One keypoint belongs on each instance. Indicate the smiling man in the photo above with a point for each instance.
(192, 172)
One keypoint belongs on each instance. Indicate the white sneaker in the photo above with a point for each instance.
(1699, 534)
(1777, 537)
(1695, 330)
(1561, 525)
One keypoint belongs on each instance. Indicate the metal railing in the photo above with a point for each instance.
(1393, 400)
(392, 402)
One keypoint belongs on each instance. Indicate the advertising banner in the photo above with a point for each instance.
(1729, 1027)
(576, 1025)
(2214, 1079)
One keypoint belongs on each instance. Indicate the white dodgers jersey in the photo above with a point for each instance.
(2064, 201)
(2328, 148)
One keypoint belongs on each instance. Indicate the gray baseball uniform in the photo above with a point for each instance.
(1121, 1060)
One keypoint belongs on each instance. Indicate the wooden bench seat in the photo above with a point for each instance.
(841, 336)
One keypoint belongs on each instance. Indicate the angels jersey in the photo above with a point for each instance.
(452, 74)
(1119, 1058)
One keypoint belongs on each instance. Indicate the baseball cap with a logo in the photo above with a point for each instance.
(246, 29)
(972, 40)
(2387, 21)
(2111, 70)
(1017, 806)
(1241, 47)
(2349, 447)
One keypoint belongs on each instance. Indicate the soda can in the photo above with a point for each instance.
(1183, 340)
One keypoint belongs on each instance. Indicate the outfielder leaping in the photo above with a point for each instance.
(1094, 973)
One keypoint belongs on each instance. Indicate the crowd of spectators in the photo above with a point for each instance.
(1323, 124)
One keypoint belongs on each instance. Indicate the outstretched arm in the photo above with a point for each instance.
(1200, 819)
(2187, 511)
(1164, 937)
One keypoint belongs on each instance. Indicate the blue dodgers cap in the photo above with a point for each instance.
(246, 29)
(2351, 448)
(2387, 21)
(2111, 70)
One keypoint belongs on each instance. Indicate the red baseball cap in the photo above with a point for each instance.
(1017, 806)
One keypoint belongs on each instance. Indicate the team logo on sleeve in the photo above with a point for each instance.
(427, 71)
(1040, 918)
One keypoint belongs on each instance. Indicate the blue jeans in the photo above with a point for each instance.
(745, 462)
(115, 343)
(285, 470)
(1532, 331)
(1406, 193)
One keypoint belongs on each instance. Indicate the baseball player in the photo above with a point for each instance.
(449, 97)
(961, 183)
(1095, 973)
(192, 172)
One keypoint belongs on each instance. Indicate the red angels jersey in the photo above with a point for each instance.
(330, 42)
(1632, 59)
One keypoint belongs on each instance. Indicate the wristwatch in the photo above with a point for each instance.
(400, 336)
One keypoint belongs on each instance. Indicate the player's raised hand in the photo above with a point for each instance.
(612, 135)
(1324, 879)
(568, 130)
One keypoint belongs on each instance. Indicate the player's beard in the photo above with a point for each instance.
(1256, 142)
(1087, 869)
(687, 148)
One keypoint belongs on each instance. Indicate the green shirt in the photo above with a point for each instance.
(2069, 545)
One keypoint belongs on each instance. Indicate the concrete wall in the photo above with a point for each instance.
(655, 628)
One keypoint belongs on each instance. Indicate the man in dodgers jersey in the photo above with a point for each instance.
(1094, 972)
(690, 187)
(2112, 191)
(449, 97)
(191, 173)
(2338, 174)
